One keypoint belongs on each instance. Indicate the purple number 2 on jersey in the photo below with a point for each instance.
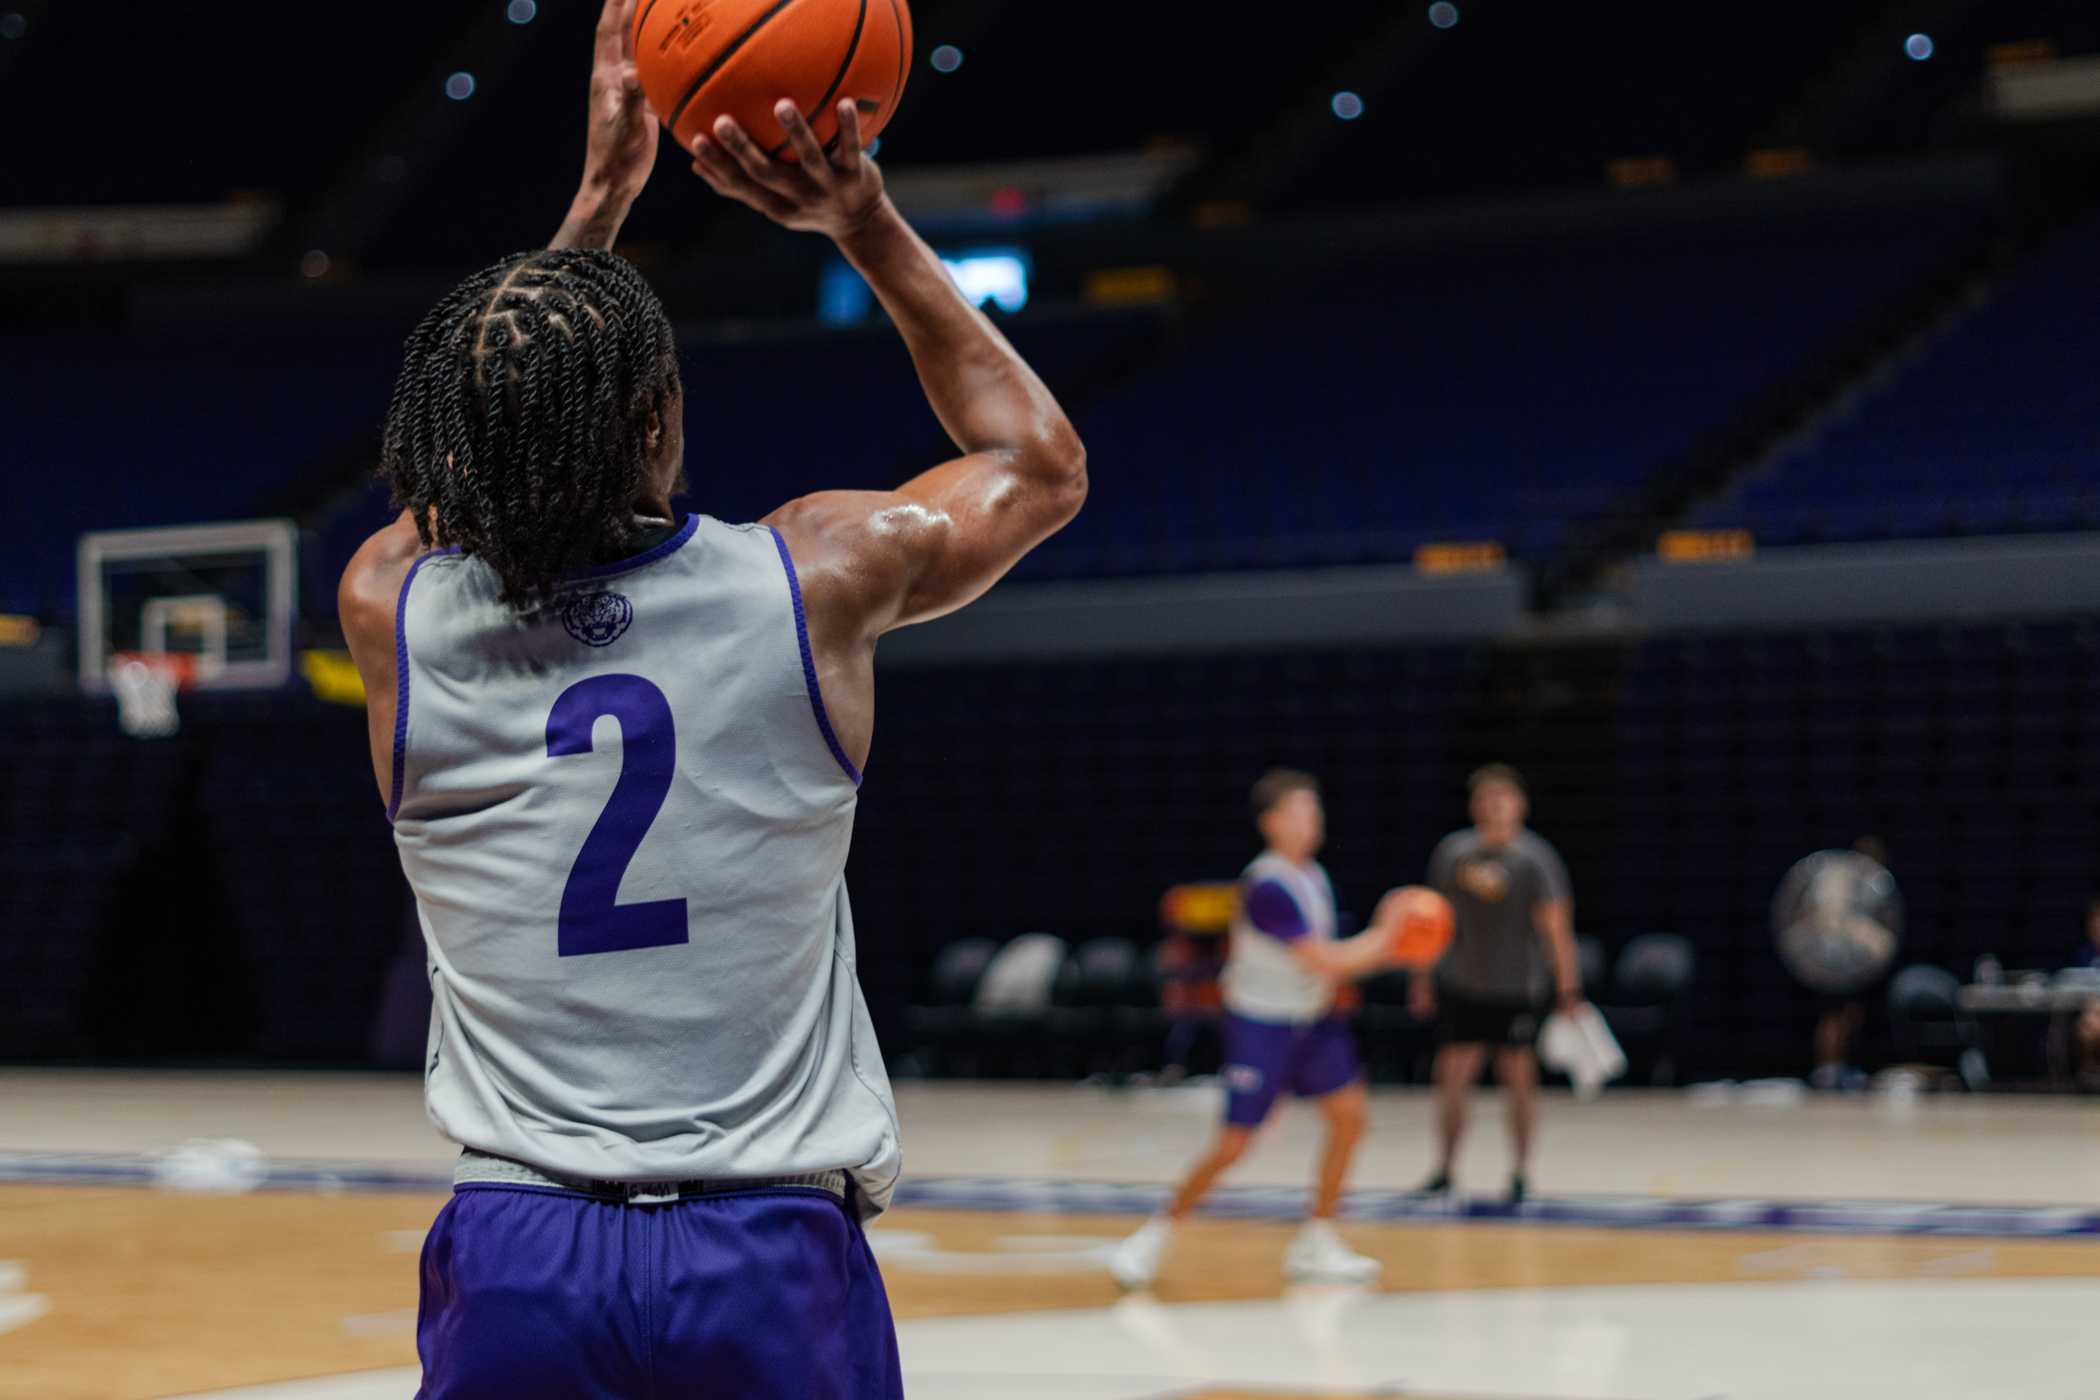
(592, 919)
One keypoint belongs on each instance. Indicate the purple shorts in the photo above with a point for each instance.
(1264, 1058)
(532, 1293)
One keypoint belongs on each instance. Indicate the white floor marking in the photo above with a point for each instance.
(398, 1322)
(1908, 1340)
(914, 1251)
(1768, 1341)
(391, 1384)
(18, 1308)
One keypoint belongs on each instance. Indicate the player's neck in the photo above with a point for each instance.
(650, 530)
(1497, 839)
(1301, 860)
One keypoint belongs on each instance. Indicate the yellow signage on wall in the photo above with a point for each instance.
(1703, 546)
(1461, 557)
(333, 677)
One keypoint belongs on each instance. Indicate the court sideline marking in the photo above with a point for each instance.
(1055, 1197)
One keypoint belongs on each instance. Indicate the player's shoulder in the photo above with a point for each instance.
(1269, 869)
(856, 552)
(1536, 846)
(1540, 852)
(1456, 843)
(1264, 867)
(370, 588)
(828, 527)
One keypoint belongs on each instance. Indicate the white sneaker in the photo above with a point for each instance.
(1318, 1253)
(1135, 1262)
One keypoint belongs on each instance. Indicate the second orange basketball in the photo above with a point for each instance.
(1421, 922)
(700, 59)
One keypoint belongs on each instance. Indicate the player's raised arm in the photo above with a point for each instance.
(946, 536)
(620, 150)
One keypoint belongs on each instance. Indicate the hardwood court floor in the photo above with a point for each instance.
(153, 1294)
(109, 1292)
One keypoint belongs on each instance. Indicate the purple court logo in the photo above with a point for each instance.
(597, 619)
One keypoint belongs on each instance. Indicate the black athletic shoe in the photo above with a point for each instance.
(1438, 1185)
(1516, 1190)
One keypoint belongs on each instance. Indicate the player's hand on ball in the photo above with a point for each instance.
(621, 149)
(833, 194)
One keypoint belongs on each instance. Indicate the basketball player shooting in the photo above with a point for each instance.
(1281, 1033)
(621, 751)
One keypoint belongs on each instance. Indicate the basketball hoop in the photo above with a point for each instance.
(146, 683)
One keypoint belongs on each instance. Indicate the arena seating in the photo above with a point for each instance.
(1680, 777)
(1397, 1045)
(1099, 1013)
(129, 432)
(1495, 396)
(314, 890)
(1647, 1002)
(1928, 1026)
(79, 819)
(1972, 751)
(246, 905)
(1988, 431)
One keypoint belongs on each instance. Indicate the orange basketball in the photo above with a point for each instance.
(700, 59)
(1422, 924)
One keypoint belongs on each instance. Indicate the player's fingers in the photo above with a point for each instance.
(726, 178)
(615, 22)
(849, 153)
(722, 174)
(807, 148)
(761, 168)
(746, 194)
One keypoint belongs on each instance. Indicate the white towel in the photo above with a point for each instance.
(1580, 1045)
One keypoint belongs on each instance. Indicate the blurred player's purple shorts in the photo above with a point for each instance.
(1264, 1058)
(532, 1293)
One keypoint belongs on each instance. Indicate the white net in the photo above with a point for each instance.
(145, 694)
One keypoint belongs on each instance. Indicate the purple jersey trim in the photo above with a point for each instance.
(648, 556)
(1272, 908)
(393, 800)
(809, 662)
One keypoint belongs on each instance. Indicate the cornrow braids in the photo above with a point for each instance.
(518, 430)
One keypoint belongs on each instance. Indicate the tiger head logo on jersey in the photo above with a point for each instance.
(1485, 880)
(597, 619)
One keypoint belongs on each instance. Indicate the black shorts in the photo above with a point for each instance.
(1464, 1020)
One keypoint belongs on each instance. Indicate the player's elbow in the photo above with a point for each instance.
(1057, 458)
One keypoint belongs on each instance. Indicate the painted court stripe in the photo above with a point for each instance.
(1284, 1203)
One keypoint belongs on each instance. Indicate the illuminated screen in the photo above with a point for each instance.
(987, 276)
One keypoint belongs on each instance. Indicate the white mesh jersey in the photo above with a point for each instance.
(1262, 980)
(626, 819)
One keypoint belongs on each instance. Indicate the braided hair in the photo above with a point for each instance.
(519, 426)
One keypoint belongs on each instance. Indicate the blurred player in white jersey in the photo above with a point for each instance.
(1281, 1032)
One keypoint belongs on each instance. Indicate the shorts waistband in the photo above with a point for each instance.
(485, 1169)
